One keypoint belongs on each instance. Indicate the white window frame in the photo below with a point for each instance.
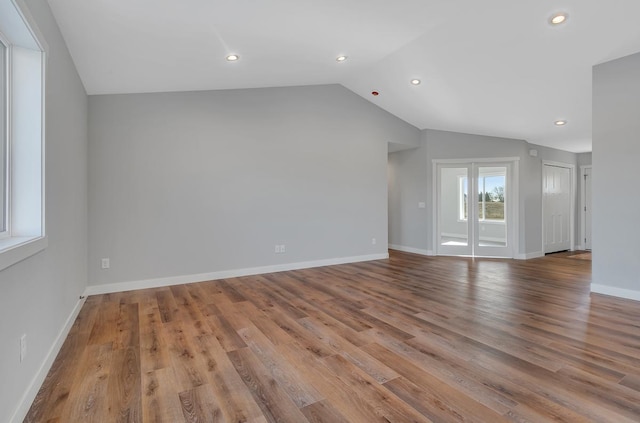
(25, 235)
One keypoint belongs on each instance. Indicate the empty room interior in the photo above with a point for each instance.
(319, 211)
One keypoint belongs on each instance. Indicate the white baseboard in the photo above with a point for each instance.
(529, 256)
(38, 379)
(615, 292)
(234, 273)
(410, 250)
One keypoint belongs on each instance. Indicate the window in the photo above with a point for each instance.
(22, 62)
(491, 197)
(491, 188)
(463, 190)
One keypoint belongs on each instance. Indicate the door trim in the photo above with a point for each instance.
(583, 204)
(572, 197)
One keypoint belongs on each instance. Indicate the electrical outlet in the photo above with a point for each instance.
(277, 249)
(422, 205)
(105, 263)
(283, 249)
(23, 347)
(373, 241)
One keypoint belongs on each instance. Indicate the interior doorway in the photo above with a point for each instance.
(557, 207)
(475, 208)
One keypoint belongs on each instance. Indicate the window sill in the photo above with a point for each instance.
(16, 249)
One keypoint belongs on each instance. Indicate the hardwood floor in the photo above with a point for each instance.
(409, 339)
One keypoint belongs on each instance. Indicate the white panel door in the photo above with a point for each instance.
(556, 208)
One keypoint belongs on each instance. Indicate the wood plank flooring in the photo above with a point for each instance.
(409, 339)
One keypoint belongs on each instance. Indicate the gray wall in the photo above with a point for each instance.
(199, 182)
(38, 294)
(584, 159)
(616, 149)
(412, 176)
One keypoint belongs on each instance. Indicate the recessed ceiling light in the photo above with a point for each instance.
(232, 58)
(558, 18)
(341, 58)
(416, 81)
(560, 122)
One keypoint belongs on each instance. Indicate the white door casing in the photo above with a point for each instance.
(587, 173)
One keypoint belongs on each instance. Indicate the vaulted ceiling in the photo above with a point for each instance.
(491, 67)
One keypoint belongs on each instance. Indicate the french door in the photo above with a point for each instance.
(474, 209)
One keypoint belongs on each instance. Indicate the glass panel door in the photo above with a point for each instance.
(491, 226)
(455, 208)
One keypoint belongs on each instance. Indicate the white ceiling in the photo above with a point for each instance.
(491, 67)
